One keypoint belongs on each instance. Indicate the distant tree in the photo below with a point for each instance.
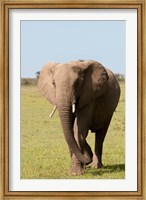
(37, 74)
(28, 81)
(120, 77)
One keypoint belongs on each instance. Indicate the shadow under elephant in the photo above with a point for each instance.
(115, 168)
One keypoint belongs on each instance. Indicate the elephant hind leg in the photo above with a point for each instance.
(99, 139)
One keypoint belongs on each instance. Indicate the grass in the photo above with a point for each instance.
(44, 152)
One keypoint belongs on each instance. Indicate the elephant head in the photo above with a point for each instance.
(78, 83)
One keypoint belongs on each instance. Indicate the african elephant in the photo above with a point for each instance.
(94, 92)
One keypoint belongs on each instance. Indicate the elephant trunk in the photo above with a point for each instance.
(65, 113)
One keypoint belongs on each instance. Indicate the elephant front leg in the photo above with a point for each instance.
(77, 167)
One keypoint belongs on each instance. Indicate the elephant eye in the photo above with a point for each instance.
(53, 82)
(77, 82)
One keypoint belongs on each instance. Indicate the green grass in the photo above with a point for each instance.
(44, 152)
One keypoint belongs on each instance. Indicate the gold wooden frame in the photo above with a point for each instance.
(5, 5)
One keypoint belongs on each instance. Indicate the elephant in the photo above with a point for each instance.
(86, 95)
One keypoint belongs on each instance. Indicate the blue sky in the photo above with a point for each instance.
(63, 41)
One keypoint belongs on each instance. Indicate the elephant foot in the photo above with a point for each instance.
(88, 163)
(77, 170)
(97, 165)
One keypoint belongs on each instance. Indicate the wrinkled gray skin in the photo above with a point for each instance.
(95, 92)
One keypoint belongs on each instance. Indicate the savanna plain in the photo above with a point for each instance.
(44, 152)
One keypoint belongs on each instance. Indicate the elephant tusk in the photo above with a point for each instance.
(73, 108)
(53, 111)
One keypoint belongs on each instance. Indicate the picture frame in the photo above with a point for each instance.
(141, 139)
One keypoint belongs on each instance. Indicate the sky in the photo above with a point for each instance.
(64, 41)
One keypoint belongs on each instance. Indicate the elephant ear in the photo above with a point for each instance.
(95, 82)
(45, 82)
